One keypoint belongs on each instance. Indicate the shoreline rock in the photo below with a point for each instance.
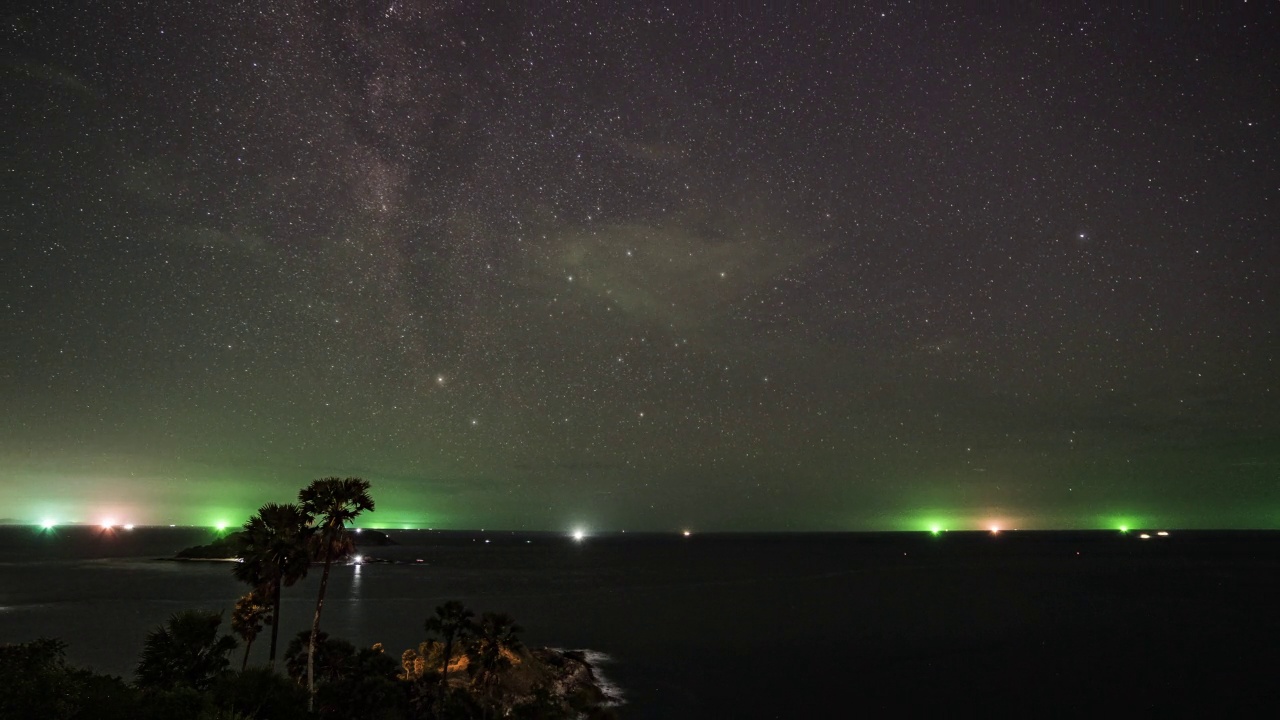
(548, 682)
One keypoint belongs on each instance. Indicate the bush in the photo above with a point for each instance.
(38, 683)
(350, 684)
(261, 693)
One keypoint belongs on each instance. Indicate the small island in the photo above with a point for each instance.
(223, 547)
(227, 546)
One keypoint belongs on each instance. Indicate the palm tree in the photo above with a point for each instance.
(273, 554)
(246, 621)
(331, 503)
(452, 622)
(496, 637)
(185, 652)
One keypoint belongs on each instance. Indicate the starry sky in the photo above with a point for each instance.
(632, 266)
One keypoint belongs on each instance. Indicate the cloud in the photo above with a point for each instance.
(671, 272)
(51, 76)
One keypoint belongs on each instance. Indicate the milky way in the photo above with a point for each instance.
(543, 265)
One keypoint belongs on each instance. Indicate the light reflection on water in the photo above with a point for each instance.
(355, 607)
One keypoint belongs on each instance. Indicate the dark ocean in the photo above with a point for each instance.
(747, 626)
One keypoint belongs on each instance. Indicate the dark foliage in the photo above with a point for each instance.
(452, 622)
(332, 658)
(495, 634)
(274, 553)
(247, 620)
(38, 683)
(350, 683)
(429, 699)
(185, 652)
(260, 693)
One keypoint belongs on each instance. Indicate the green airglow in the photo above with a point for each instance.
(931, 519)
(222, 519)
(1121, 522)
(936, 523)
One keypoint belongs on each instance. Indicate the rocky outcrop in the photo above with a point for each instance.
(573, 678)
(541, 682)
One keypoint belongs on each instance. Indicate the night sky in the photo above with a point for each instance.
(642, 267)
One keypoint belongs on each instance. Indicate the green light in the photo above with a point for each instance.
(47, 524)
(221, 526)
(1123, 523)
(935, 529)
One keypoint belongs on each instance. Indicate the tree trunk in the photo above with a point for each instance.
(275, 622)
(315, 630)
(245, 663)
(444, 671)
(448, 650)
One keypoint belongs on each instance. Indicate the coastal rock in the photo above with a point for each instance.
(538, 682)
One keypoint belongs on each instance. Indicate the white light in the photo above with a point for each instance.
(1163, 533)
(359, 559)
(47, 524)
(128, 527)
(995, 530)
(686, 533)
(579, 535)
(1145, 536)
(108, 524)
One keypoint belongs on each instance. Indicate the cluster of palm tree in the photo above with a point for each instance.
(277, 547)
(496, 638)
(487, 643)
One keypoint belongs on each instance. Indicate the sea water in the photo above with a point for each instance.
(741, 625)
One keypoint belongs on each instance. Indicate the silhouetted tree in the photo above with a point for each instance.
(274, 553)
(37, 682)
(246, 621)
(186, 651)
(495, 638)
(329, 661)
(332, 503)
(350, 684)
(452, 622)
(258, 692)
